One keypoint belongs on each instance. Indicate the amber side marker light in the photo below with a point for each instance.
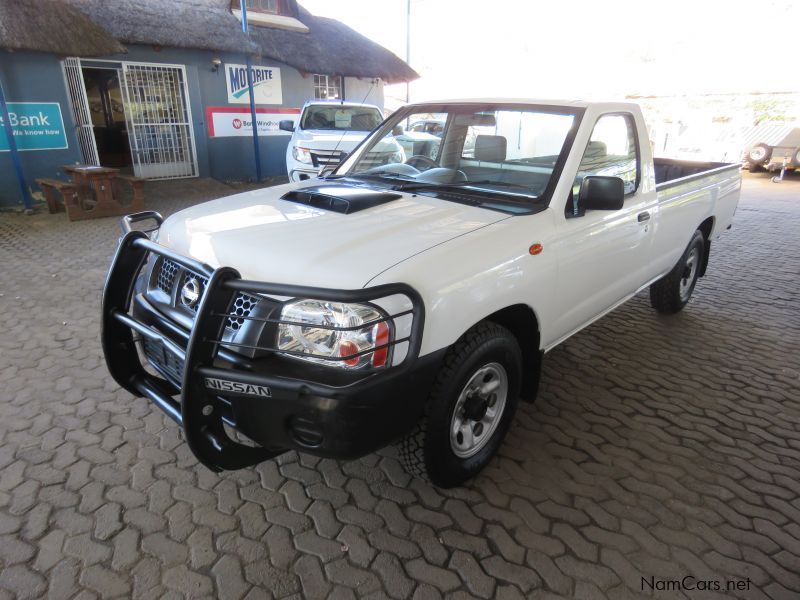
(536, 249)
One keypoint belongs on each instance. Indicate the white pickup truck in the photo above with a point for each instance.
(406, 303)
(326, 131)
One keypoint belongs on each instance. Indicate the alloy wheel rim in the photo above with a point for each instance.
(478, 410)
(689, 273)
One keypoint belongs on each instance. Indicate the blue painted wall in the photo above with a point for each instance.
(30, 77)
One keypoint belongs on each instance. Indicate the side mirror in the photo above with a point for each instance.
(601, 193)
(397, 130)
(287, 125)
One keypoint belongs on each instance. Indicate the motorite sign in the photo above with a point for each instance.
(266, 84)
(229, 121)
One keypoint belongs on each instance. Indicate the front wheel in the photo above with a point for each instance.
(670, 294)
(470, 408)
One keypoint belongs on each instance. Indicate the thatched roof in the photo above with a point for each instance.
(332, 48)
(78, 28)
(329, 47)
(54, 27)
(202, 24)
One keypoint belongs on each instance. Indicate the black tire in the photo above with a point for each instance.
(763, 153)
(427, 451)
(670, 294)
(796, 157)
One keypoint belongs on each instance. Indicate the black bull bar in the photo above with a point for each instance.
(193, 409)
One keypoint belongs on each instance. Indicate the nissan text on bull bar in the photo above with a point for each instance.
(412, 302)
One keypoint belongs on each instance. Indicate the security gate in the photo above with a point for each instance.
(73, 76)
(159, 120)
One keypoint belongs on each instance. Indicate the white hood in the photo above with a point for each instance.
(269, 239)
(320, 139)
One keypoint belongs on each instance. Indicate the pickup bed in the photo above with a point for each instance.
(408, 303)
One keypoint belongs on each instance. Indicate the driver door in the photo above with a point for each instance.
(602, 253)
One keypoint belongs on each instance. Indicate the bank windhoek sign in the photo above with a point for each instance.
(266, 84)
(232, 121)
(35, 125)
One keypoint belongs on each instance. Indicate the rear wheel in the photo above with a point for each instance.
(470, 408)
(670, 294)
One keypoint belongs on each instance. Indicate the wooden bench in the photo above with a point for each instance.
(137, 189)
(52, 188)
(87, 198)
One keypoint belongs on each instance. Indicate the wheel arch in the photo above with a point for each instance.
(522, 322)
(706, 227)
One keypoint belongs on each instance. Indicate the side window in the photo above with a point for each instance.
(611, 151)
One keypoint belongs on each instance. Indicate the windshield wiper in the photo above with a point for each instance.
(407, 184)
(420, 185)
(387, 177)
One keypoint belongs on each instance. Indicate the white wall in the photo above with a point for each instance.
(364, 90)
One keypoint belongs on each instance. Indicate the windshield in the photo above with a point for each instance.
(337, 117)
(505, 151)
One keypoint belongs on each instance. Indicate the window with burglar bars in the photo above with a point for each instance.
(327, 87)
(267, 6)
(271, 7)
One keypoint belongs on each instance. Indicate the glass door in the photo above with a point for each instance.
(159, 120)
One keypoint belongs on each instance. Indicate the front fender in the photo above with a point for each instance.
(480, 273)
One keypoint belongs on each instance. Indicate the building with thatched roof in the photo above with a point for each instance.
(158, 87)
(53, 26)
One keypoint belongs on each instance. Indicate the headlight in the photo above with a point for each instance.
(302, 155)
(348, 330)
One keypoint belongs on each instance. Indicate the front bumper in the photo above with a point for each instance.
(277, 402)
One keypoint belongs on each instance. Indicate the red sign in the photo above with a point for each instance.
(230, 121)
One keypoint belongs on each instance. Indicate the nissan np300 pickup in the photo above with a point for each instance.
(406, 302)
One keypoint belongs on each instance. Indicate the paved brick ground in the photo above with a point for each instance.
(659, 447)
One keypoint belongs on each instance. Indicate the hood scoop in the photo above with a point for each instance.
(340, 198)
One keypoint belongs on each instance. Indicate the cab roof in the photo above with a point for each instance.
(338, 103)
(532, 101)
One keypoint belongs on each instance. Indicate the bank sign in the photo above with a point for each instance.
(231, 121)
(35, 125)
(266, 84)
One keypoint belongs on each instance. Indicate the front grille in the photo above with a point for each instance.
(166, 275)
(163, 360)
(243, 304)
(322, 158)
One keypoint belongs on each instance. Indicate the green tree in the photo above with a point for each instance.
(769, 109)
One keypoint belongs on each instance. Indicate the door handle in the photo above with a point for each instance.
(643, 216)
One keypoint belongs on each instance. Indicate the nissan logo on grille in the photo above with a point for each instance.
(190, 292)
(237, 387)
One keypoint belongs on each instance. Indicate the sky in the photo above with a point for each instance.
(582, 49)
